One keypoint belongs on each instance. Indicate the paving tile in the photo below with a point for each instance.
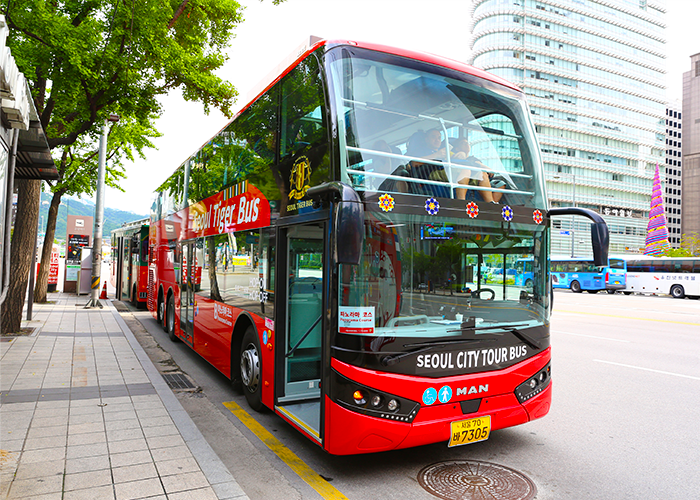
(87, 464)
(48, 496)
(185, 481)
(85, 418)
(87, 450)
(35, 486)
(124, 434)
(171, 453)
(45, 455)
(127, 445)
(86, 428)
(101, 493)
(39, 469)
(177, 466)
(134, 472)
(87, 438)
(41, 432)
(44, 442)
(90, 479)
(161, 430)
(131, 458)
(198, 494)
(122, 424)
(120, 415)
(139, 489)
(165, 441)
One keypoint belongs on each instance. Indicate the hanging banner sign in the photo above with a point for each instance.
(237, 208)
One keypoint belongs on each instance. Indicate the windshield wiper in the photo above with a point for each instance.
(514, 329)
(426, 346)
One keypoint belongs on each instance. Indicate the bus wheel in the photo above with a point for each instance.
(575, 287)
(161, 314)
(592, 291)
(170, 319)
(627, 293)
(134, 297)
(677, 292)
(611, 292)
(528, 283)
(251, 369)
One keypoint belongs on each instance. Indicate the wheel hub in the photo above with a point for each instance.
(250, 368)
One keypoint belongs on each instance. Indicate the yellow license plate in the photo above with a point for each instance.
(470, 431)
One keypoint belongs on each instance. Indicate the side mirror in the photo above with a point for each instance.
(349, 220)
(600, 238)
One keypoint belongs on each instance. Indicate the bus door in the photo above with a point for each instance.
(117, 263)
(302, 323)
(126, 268)
(187, 305)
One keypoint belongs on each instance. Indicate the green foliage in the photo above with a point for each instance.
(690, 246)
(86, 59)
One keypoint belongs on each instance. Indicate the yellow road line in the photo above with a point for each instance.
(294, 462)
(629, 317)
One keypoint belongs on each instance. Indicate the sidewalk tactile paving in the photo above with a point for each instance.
(83, 415)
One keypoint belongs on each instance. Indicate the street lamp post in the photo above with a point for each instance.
(99, 216)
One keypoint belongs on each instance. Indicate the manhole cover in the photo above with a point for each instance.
(474, 480)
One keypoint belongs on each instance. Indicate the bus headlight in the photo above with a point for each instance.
(534, 385)
(362, 399)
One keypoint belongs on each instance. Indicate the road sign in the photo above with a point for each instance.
(565, 233)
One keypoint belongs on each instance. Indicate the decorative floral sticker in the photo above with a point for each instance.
(472, 210)
(537, 216)
(507, 213)
(432, 206)
(386, 202)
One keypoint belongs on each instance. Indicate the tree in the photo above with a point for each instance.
(690, 246)
(86, 59)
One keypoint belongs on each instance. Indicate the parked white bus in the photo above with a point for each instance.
(676, 276)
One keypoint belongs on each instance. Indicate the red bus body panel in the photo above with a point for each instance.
(432, 424)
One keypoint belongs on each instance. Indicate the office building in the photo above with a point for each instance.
(674, 166)
(691, 147)
(594, 75)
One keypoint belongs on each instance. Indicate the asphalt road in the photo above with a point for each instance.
(623, 425)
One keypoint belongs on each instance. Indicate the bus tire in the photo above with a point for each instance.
(575, 287)
(592, 291)
(611, 292)
(528, 283)
(170, 319)
(677, 292)
(251, 369)
(134, 297)
(627, 293)
(160, 309)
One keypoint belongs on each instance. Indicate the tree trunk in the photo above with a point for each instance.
(23, 241)
(42, 281)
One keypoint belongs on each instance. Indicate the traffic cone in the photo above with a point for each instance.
(103, 295)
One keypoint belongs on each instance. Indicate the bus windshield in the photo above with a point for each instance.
(420, 129)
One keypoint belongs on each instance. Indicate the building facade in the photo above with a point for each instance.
(674, 166)
(594, 72)
(691, 147)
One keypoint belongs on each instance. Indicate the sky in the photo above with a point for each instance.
(270, 33)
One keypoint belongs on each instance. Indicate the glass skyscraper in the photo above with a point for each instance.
(594, 75)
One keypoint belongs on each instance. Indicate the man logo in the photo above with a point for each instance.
(463, 391)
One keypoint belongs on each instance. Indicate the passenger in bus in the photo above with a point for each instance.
(427, 145)
(385, 165)
(460, 153)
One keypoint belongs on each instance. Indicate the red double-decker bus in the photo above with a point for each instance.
(327, 250)
(129, 262)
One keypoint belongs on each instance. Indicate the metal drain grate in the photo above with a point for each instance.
(472, 480)
(177, 381)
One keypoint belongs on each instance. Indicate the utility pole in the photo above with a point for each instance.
(99, 216)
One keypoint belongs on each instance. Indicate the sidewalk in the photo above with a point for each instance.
(84, 414)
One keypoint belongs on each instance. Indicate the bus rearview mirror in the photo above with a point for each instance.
(349, 220)
(600, 238)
